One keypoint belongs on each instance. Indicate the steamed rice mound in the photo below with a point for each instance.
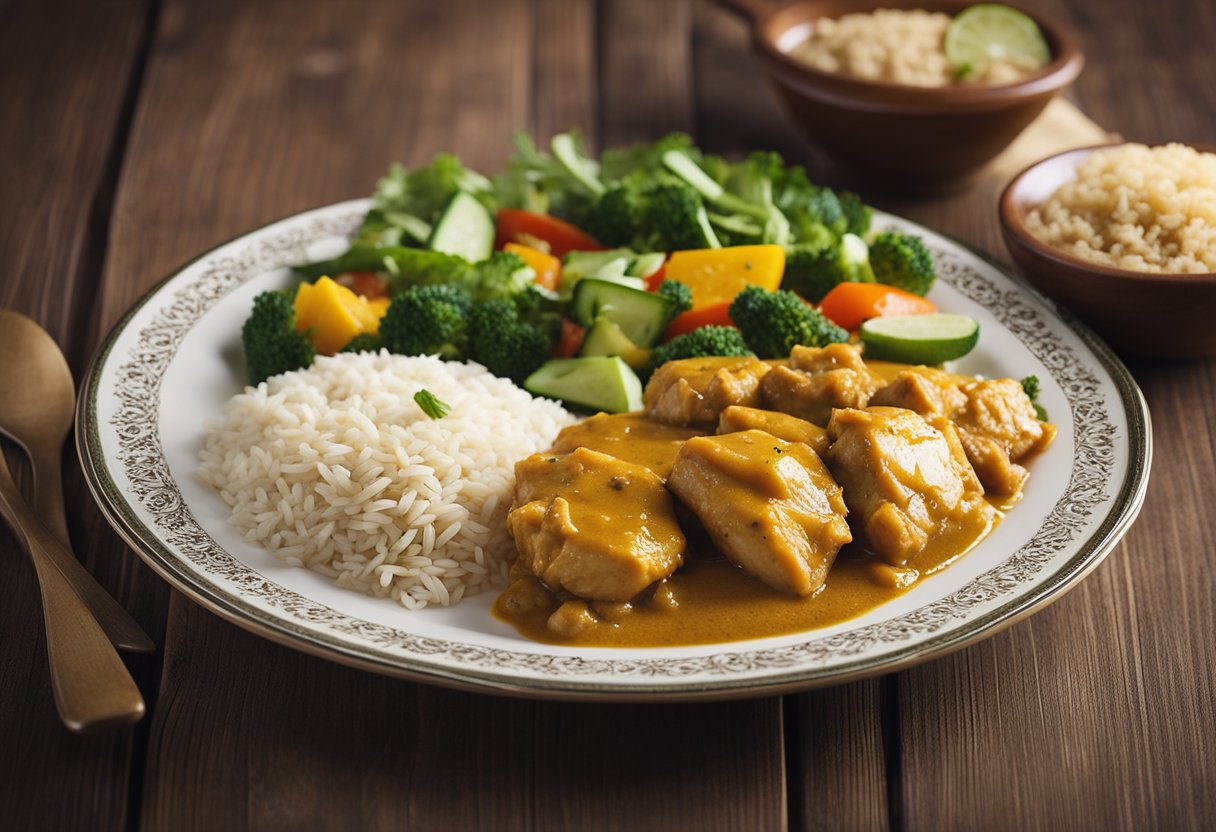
(1138, 208)
(336, 468)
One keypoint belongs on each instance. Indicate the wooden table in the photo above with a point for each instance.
(138, 133)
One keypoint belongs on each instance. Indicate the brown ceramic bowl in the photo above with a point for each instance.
(1162, 315)
(916, 135)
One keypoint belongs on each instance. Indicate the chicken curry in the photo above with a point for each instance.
(753, 498)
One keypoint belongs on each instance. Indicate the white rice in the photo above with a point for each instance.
(336, 468)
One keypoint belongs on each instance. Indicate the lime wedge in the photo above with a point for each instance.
(919, 339)
(992, 32)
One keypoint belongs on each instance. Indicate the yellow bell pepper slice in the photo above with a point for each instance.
(547, 267)
(334, 314)
(716, 275)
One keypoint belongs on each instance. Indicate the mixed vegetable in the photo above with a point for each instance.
(577, 277)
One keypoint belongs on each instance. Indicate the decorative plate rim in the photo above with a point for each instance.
(950, 633)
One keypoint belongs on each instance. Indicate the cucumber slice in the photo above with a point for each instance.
(606, 338)
(601, 383)
(641, 315)
(611, 270)
(646, 264)
(920, 339)
(465, 228)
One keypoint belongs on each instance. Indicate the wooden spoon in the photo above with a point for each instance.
(36, 411)
(93, 690)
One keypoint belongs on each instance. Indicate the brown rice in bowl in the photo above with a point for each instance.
(337, 469)
(895, 46)
(1139, 208)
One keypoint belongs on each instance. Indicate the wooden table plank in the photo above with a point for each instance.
(646, 83)
(258, 112)
(64, 77)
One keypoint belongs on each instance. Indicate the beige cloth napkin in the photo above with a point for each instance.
(1061, 126)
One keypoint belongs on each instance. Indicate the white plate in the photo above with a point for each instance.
(174, 361)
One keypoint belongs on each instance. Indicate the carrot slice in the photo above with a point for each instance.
(851, 304)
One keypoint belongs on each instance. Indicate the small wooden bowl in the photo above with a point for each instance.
(924, 136)
(1141, 313)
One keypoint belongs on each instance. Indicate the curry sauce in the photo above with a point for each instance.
(710, 599)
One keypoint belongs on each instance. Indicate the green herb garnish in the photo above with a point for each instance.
(431, 405)
(1030, 385)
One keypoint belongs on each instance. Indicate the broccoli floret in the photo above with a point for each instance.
(541, 308)
(810, 269)
(272, 345)
(822, 205)
(617, 217)
(502, 275)
(678, 293)
(643, 159)
(506, 345)
(706, 341)
(902, 261)
(857, 214)
(813, 269)
(773, 323)
(806, 206)
(364, 342)
(428, 320)
(677, 220)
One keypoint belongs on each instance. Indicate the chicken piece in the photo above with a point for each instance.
(819, 379)
(769, 505)
(995, 418)
(829, 358)
(630, 437)
(694, 391)
(592, 525)
(922, 389)
(781, 425)
(1000, 411)
(907, 480)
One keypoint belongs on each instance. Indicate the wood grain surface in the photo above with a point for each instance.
(66, 77)
(151, 130)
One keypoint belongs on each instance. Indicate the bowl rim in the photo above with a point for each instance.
(1064, 67)
(1013, 224)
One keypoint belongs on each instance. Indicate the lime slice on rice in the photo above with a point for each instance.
(992, 32)
(920, 339)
